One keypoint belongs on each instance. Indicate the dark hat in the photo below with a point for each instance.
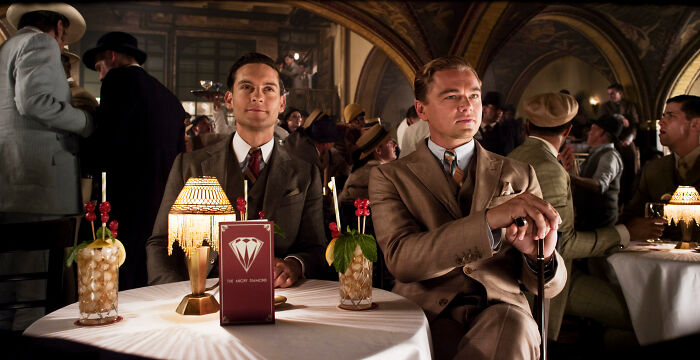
(611, 124)
(116, 41)
(492, 98)
(371, 139)
(324, 130)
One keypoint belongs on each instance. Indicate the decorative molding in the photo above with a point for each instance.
(369, 83)
(482, 33)
(612, 45)
(401, 53)
(526, 76)
(680, 75)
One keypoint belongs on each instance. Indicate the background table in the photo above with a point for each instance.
(309, 326)
(662, 291)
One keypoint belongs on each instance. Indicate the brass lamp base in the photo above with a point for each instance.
(198, 305)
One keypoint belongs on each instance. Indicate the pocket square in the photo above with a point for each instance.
(293, 192)
(507, 189)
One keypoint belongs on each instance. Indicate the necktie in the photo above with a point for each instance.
(450, 160)
(682, 168)
(253, 168)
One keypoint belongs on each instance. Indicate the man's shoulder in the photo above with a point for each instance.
(655, 166)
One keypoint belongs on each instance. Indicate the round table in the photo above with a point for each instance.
(661, 288)
(308, 326)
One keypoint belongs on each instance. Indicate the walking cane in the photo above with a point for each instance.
(539, 297)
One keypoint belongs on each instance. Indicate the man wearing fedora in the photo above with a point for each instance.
(39, 171)
(139, 133)
(549, 122)
(375, 147)
(285, 187)
(597, 185)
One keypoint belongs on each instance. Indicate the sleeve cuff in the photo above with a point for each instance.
(624, 235)
(494, 235)
(549, 266)
(303, 268)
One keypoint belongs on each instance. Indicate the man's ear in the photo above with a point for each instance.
(283, 103)
(420, 109)
(695, 124)
(228, 100)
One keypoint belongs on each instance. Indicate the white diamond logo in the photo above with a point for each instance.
(246, 250)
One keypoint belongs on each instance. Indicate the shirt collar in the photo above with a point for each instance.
(689, 158)
(550, 147)
(241, 148)
(464, 152)
(600, 147)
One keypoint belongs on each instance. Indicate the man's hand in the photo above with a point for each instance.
(286, 272)
(566, 157)
(542, 223)
(641, 229)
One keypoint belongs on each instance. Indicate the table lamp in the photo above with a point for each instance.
(684, 209)
(193, 219)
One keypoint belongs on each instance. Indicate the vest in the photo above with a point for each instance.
(594, 210)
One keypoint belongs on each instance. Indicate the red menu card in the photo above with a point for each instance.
(246, 255)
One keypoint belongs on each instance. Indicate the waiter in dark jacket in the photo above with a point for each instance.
(139, 132)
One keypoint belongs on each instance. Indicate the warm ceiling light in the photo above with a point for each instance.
(593, 100)
(296, 56)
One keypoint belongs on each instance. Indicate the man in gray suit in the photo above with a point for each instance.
(38, 128)
(285, 187)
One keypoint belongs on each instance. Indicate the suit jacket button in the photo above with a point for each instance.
(443, 302)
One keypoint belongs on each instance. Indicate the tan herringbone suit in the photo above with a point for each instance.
(433, 250)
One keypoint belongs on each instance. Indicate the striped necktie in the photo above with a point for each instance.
(253, 169)
(450, 161)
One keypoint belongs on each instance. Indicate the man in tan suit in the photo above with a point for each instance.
(448, 235)
(549, 121)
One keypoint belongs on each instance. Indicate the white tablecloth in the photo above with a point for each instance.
(310, 326)
(662, 291)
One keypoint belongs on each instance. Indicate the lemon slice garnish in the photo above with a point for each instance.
(329, 252)
(122, 251)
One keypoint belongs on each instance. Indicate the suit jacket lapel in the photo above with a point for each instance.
(278, 177)
(692, 178)
(223, 164)
(426, 168)
(488, 172)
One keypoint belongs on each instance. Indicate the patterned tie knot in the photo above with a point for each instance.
(450, 159)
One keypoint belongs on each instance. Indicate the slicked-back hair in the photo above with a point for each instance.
(690, 105)
(616, 87)
(252, 58)
(411, 113)
(424, 77)
(548, 131)
(44, 20)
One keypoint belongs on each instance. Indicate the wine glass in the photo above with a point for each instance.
(655, 210)
(206, 84)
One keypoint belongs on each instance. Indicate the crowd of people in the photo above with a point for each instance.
(446, 185)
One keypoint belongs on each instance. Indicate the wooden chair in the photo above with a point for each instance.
(53, 236)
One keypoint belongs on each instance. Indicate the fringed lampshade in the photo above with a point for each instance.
(196, 213)
(684, 205)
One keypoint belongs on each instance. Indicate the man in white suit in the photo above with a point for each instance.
(38, 133)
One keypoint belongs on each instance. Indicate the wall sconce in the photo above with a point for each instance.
(684, 210)
(594, 101)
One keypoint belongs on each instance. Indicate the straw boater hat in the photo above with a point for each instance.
(77, 23)
(550, 109)
(74, 58)
(371, 139)
(369, 122)
(316, 114)
(351, 111)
